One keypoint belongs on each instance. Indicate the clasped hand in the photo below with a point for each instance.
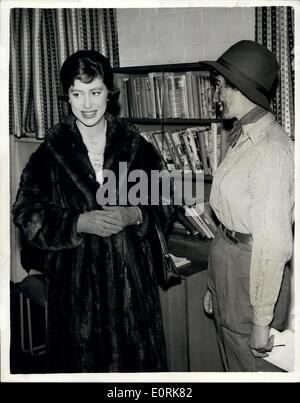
(108, 221)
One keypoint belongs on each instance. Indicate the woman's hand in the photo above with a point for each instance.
(124, 215)
(207, 303)
(260, 342)
(99, 222)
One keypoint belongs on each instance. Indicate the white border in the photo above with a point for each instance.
(5, 6)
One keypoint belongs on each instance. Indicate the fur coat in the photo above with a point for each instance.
(104, 311)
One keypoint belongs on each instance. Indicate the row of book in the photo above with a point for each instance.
(196, 220)
(169, 95)
(193, 148)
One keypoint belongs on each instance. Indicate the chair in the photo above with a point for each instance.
(32, 289)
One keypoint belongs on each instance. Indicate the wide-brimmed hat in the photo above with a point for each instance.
(251, 68)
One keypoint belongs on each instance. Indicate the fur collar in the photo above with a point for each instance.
(65, 143)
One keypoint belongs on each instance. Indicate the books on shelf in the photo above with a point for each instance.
(201, 217)
(178, 92)
(193, 149)
(197, 220)
(167, 92)
(170, 95)
(183, 225)
(182, 95)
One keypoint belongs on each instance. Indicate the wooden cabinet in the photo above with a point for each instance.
(191, 337)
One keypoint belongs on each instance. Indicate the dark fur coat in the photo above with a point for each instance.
(104, 310)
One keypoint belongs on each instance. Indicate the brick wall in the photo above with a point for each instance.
(178, 35)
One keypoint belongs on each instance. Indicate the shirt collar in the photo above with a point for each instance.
(256, 130)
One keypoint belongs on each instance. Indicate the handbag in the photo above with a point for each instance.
(32, 258)
(166, 271)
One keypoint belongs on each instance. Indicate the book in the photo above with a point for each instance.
(189, 89)
(181, 101)
(189, 138)
(170, 104)
(186, 222)
(180, 262)
(202, 218)
(205, 212)
(153, 107)
(179, 149)
(204, 157)
(174, 154)
(158, 92)
(197, 222)
(196, 104)
(199, 219)
(163, 148)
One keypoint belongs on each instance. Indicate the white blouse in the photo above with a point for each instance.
(96, 155)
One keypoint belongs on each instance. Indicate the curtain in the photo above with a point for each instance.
(275, 30)
(40, 41)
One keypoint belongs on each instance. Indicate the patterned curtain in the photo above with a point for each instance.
(275, 30)
(40, 41)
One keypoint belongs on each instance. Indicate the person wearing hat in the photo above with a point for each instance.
(253, 197)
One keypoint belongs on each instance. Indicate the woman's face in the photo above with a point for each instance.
(88, 101)
(225, 96)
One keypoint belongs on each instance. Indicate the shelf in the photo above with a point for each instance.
(195, 249)
(160, 68)
(28, 140)
(173, 121)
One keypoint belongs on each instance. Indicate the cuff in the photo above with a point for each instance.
(263, 316)
(80, 223)
(143, 228)
(140, 216)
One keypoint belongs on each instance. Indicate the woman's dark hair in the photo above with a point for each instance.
(85, 65)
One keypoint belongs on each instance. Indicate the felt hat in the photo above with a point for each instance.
(251, 68)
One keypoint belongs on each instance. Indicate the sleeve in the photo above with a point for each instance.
(43, 223)
(272, 197)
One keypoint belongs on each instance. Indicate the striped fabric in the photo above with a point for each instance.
(275, 30)
(40, 41)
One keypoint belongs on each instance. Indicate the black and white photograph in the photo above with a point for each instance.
(149, 177)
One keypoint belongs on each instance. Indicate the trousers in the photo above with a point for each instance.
(229, 283)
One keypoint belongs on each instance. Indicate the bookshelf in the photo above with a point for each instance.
(178, 117)
(172, 122)
(151, 99)
(177, 100)
(176, 91)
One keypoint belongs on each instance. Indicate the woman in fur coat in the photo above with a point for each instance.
(104, 311)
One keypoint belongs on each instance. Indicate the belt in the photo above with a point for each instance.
(236, 237)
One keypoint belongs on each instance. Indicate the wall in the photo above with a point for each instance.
(177, 35)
